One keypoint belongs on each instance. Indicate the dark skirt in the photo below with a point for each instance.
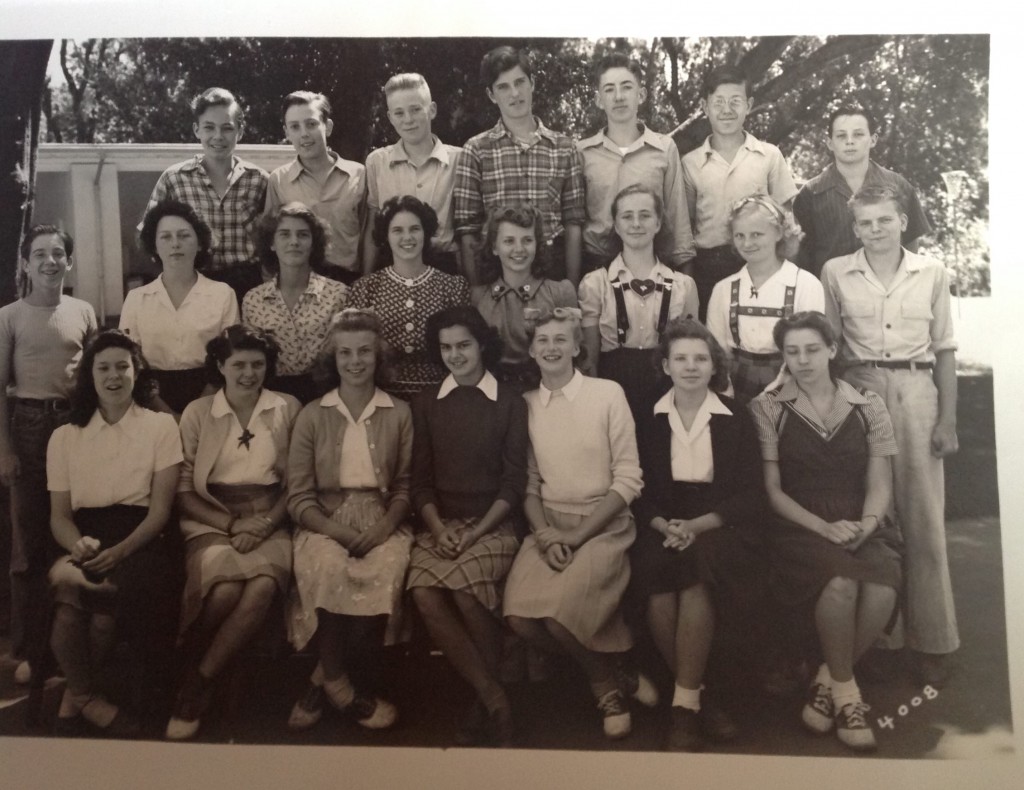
(178, 388)
(804, 562)
(137, 588)
(726, 558)
(636, 371)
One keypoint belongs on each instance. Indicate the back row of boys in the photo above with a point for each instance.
(519, 160)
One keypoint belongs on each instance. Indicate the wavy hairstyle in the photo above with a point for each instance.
(175, 208)
(789, 231)
(352, 319)
(491, 344)
(537, 317)
(240, 337)
(382, 224)
(689, 329)
(268, 228)
(523, 215)
(84, 398)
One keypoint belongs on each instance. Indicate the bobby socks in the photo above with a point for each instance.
(686, 698)
(844, 692)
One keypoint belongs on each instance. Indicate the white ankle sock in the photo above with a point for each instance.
(339, 691)
(844, 692)
(686, 698)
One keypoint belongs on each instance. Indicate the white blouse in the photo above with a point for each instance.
(103, 464)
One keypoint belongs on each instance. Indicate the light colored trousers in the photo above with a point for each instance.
(929, 616)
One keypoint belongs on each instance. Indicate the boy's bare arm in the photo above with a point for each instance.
(944, 439)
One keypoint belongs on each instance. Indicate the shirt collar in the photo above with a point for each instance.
(617, 270)
(268, 400)
(500, 130)
(570, 390)
(526, 292)
(351, 169)
(786, 274)
(647, 137)
(858, 262)
(488, 385)
(314, 287)
(712, 404)
(790, 391)
(750, 142)
(397, 152)
(156, 285)
(380, 400)
(97, 424)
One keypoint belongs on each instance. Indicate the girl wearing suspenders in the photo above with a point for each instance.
(626, 305)
(744, 308)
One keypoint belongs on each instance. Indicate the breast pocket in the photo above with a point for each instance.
(916, 311)
(854, 308)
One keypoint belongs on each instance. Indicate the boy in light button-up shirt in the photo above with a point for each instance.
(892, 309)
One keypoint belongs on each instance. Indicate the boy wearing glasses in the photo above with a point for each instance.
(731, 164)
(334, 188)
(418, 164)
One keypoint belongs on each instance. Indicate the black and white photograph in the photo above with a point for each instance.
(414, 398)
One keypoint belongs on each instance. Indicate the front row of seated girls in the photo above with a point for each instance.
(362, 468)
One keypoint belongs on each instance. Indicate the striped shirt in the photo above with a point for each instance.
(232, 217)
(495, 169)
(820, 209)
(767, 409)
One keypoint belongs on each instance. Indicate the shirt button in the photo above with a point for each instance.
(410, 303)
(409, 327)
(887, 354)
(373, 446)
(888, 326)
(409, 349)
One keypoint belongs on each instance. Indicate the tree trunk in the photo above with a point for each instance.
(22, 74)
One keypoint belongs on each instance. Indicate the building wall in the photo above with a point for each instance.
(98, 193)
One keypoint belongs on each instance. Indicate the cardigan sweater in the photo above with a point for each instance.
(203, 435)
(314, 457)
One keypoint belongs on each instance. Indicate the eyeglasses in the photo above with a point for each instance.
(735, 103)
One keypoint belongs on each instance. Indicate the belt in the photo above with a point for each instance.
(44, 404)
(900, 365)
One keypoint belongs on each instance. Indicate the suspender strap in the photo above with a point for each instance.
(735, 310)
(621, 319)
(734, 317)
(665, 288)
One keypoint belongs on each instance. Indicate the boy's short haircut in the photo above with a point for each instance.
(406, 82)
(502, 59)
(725, 75)
(850, 109)
(617, 60)
(217, 97)
(871, 196)
(46, 230)
(317, 101)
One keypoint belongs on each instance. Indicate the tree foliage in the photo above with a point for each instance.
(929, 93)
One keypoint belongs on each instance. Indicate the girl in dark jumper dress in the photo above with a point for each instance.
(469, 475)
